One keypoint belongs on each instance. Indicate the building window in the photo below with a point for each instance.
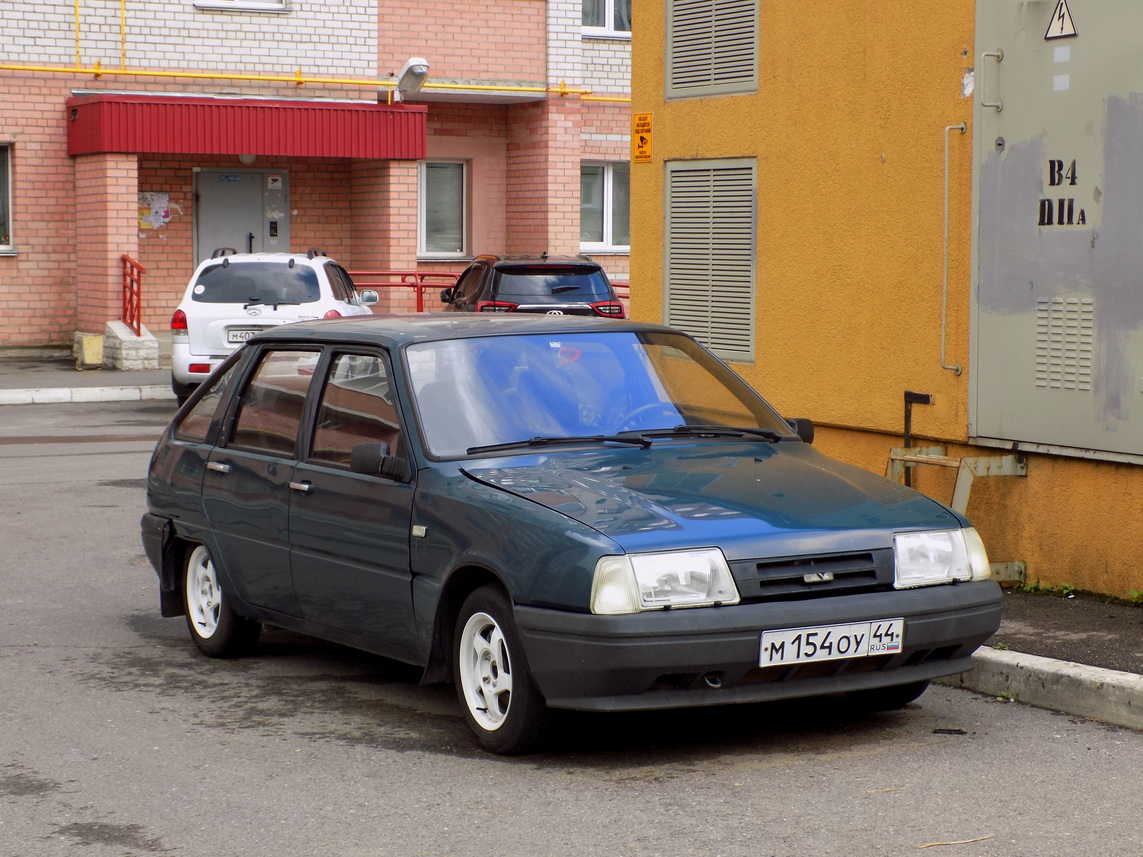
(710, 251)
(5, 196)
(604, 207)
(607, 17)
(275, 6)
(712, 47)
(442, 202)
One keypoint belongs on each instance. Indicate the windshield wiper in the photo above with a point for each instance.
(558, 441)
(713, 431)
(260, 302)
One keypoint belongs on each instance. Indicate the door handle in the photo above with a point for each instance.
(303, 487)
(250, 242)
(218, 466)
(997, 55)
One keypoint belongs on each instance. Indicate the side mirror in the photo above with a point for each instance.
(368, 297)
(373, 459)
(803, 428)
(448, 295)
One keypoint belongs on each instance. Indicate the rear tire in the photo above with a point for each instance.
(500, 701)
(217, 630)
(888, 698)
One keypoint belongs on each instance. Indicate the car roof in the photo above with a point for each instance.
(398, 330)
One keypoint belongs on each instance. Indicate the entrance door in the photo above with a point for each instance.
(1058, 190)
(246, 210)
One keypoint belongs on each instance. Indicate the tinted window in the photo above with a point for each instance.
(552, 283)
(256, 283)
(356, 407)
(195, 425)
(340, 282)
(271, 405)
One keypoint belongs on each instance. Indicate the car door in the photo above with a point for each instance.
(246, 488)
(469, 288)
(349, 532)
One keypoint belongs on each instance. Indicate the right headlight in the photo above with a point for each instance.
(939, 556)
(658, 581)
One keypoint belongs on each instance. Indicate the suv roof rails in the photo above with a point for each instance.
(223, 251)
(315, 251)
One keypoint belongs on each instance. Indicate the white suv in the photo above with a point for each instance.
(233, 296)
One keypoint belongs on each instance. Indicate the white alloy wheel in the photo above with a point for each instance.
(485, 671)
(204, 598)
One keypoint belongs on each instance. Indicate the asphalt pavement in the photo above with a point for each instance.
(1075, 653)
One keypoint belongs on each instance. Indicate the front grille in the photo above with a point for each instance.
(802, 577)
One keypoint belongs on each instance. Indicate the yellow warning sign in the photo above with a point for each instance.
(1062, 24)
(641, 137)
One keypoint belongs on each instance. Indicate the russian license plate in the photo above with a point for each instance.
(831, 642)
(241, 334)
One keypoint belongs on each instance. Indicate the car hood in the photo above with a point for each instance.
(748, 498)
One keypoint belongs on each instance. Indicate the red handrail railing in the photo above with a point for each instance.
(133, 294)
(418, 281)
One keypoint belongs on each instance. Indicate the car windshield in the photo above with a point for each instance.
(256, 283)
(582, 282)
(506, 389)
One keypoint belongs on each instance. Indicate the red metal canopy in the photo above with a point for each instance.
(147, 124)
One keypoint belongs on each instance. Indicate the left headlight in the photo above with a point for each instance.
(657, 581)
(939, 556)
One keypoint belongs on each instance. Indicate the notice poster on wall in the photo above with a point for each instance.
(154, 209)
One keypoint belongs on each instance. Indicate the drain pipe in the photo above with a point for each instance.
(962, 127)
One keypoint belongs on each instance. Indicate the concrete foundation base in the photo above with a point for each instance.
(122, 349)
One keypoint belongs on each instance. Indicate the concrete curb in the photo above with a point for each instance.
(1100, 694)
(55, 395)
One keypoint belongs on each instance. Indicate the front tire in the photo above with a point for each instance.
(217, 630)
(501, 703)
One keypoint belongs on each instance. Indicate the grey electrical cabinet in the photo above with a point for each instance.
(1057, 299)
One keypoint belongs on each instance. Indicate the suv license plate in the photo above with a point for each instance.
(241, 334)
(831, 642)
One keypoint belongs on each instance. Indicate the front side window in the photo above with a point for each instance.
(5, 196)
(357, 407)
(607, 16)
(441, 198)
(604, 207)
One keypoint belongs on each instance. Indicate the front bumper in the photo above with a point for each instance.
(709, 656)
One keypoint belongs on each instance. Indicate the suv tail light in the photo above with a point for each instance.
(332, 314)
(179, 323)
(609, 309)
(495, 306)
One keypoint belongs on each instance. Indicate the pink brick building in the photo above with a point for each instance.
(163, 130)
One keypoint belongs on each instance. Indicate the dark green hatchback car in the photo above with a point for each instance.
(552, 512)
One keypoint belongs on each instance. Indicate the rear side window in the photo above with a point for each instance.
(552, 283)
(270, 409)
(256, 283)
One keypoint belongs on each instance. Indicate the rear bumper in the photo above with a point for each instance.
(710, 656)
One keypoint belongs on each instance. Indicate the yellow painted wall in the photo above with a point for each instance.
(848, 128)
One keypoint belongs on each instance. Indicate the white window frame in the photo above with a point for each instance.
(711, 47)
(7, 243)
(710, 247)
(424, 252)
(607, 245)
(608, 31)
(274, 7)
